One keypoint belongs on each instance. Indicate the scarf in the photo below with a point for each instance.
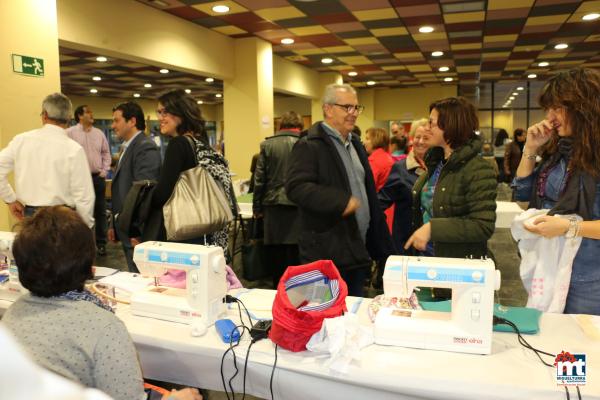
(579, 193)
(84, 295)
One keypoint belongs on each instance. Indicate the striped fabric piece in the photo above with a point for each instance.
(312, 277)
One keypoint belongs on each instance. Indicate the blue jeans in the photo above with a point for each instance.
(583, 298)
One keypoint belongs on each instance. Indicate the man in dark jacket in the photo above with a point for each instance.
(280, 215)
(330, 180)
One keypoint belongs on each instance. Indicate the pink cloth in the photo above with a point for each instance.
(95, 145)
(176, 278)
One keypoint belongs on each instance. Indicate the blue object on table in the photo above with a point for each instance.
(526, 319)
(227, 330)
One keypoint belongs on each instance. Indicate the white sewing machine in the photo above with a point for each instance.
(11, 289)
(201, 303)
(467, 328)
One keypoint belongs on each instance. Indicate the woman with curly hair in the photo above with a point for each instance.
(567, 179)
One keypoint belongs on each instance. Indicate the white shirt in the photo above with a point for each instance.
(50, 169)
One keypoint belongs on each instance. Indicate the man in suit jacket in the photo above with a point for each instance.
(330, 180)
(140, 160)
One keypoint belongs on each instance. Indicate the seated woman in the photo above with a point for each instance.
(567, 181)
(65, 328)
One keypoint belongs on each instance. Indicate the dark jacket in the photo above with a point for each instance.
(141, 161)
(398, 191)
(512, 158)
(271, 170)
(464, 202)
(318, 183)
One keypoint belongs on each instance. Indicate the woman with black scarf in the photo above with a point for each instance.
(567, 180)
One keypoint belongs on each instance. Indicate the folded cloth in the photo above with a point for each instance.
(526, 319)
(342, 338)
(176, 278)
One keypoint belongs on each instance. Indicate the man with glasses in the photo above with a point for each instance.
(139, 160)
(50, 169)
(330, 180)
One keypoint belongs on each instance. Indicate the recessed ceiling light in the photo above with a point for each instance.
(437, 53)
(164, 71)
(515, 94)
(561, 46)
(426, 29)
(136, 95)
(511, 98)
(448, 79)
(371, 83)
(443, 69)
(200, 102)
(209, 80)
(188, 91)
(96, 78)
(531, 76)
(93, 90)
(101, 59)
(287, 41)
(219, 95)
(352, 73)
(147, 85)
(590, 17)
(520, 88)
(221, 8)
(543, 64)
(326, 60)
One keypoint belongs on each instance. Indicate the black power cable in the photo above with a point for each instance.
(231, 348)
(273, 373)
(524, 343)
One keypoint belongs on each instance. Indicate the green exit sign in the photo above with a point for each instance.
(26, 65)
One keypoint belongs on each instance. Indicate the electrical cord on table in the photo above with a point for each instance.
(273, 373)
(232, 299)
(231, 348)
(524, 343)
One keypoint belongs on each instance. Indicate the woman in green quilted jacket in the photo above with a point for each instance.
(454, 203)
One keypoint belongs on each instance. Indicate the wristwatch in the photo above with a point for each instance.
(573, 228)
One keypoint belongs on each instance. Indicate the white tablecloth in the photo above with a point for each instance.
(168, 352)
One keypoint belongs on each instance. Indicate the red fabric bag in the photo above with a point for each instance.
(292, 328)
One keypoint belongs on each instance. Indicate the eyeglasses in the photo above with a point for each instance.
(161, 113)
(350, 108)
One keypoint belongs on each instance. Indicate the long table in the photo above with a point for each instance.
(169, 353)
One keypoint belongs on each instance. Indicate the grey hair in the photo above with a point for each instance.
(329, 96)
(415, 124)
(57, 107)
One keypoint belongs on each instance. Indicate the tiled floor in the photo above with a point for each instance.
(501, 244)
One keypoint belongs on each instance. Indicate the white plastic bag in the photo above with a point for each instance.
(546, 263)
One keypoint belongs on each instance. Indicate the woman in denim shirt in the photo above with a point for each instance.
(567, 180)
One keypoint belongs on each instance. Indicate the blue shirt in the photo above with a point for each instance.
(585, 265)
(356, 177)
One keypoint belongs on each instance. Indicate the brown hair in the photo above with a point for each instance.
(54, 251)
(578, 92)
(292, 120)
(379, 138)
(457, 118)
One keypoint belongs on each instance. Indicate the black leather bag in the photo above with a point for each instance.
(254, 264)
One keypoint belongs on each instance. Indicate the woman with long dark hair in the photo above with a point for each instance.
(567, 179)
(181, 119)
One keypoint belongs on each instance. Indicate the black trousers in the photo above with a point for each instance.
(279, 257)
(100, 209)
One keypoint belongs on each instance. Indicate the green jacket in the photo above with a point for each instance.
(464, 202)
